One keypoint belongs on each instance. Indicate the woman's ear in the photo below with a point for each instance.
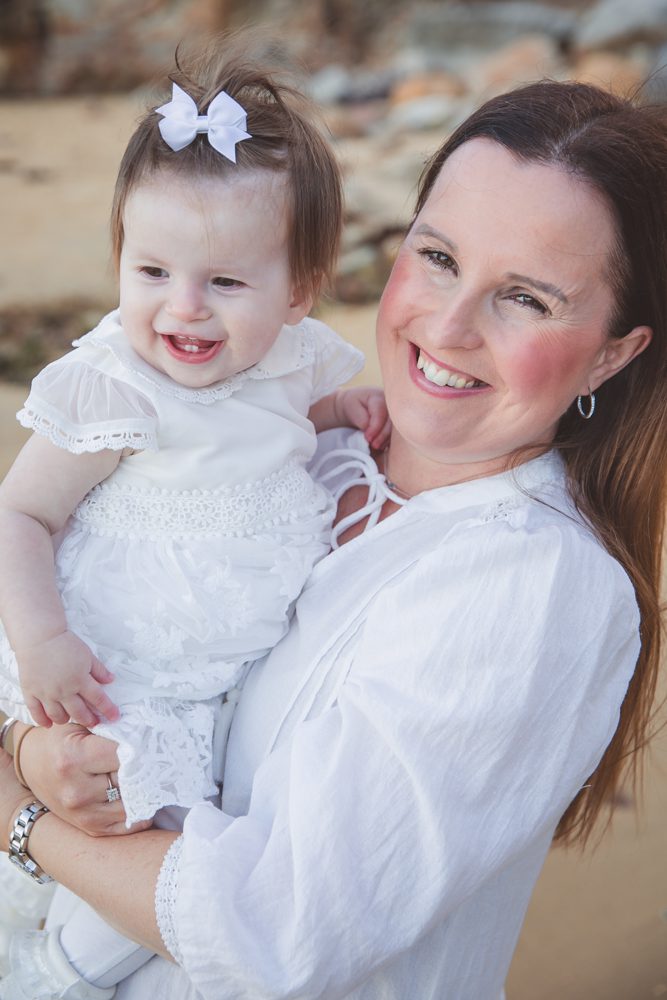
(616, 354)
(300, 306)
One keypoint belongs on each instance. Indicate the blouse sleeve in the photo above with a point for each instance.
(81, 409)
(335, 362)
(484, 689)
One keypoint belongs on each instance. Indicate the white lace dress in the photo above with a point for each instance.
(181, 568)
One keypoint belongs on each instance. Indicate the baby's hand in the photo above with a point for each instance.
(364, 407)
(61, 681)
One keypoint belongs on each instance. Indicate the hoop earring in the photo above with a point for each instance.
(591, 406)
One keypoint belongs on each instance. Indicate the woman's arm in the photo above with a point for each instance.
(59, 675)
(116, 875)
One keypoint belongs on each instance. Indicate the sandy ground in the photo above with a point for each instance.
(597, 925)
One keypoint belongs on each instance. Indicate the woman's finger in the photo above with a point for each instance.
(94, 754)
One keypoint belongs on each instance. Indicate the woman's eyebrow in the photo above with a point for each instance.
(425, 230)
(542, 286)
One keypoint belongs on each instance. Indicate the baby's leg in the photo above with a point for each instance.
(99, 954)
(23, 905)
(84, 959)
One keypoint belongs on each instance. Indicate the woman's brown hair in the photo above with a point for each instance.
(616, 461)
(284, 139)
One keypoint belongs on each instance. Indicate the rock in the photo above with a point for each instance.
(654, 89)
(361, 276)
(337, 84)
(22, 38)
(354, 120)
(523, 61)
(376, 202)
(613, 72)
(480, 25)
(64, 46)
(426, 84)
(616, 23)
(329, 85)
(426, 112)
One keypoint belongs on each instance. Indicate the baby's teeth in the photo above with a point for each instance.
(192, 348)
(420, 361)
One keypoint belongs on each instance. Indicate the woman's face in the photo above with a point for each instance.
(496, 313)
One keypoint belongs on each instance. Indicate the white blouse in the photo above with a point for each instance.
(399, 762)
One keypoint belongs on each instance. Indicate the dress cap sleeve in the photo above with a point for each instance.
(81, 409)
(335, 361)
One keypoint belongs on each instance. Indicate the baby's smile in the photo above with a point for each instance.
(192, 350)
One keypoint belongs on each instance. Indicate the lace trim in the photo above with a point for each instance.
(97, 437)
(304, 342)
(501, 510)
(130, 512)
(166, 892)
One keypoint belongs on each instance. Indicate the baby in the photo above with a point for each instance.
(168, 463)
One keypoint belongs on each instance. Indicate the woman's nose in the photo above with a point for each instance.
(455, 322)
(187, 304)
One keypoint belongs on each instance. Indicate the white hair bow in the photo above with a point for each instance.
(224, 124)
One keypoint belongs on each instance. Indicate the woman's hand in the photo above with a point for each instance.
(68, 768)
(13, 798)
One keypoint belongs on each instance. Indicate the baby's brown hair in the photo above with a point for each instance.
(284, 139)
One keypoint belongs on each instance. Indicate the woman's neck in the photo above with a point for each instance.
(408, 472)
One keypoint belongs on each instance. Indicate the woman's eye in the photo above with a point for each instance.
(227, 282)
(153, 272)
(528, 302)
(439, 259)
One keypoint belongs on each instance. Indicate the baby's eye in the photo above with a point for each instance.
(528, 302)
(439, 259)
(153, 272)
(227, 282)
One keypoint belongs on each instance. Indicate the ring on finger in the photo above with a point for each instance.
(113, 791)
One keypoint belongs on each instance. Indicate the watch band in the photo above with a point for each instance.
(18, 842)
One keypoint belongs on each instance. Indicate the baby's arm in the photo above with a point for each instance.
(59, 675)
(361, 406)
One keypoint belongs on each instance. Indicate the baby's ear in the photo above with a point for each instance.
(300, 305)
(617, 353)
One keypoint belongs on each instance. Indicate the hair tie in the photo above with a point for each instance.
(224, 124)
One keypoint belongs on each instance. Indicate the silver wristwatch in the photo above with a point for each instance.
(18, 842)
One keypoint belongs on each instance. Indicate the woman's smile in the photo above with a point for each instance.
(440, 377)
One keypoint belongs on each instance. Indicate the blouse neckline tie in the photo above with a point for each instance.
(369, 476)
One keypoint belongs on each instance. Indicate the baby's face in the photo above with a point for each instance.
(205, 284)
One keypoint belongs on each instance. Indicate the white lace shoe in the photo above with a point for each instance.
(40, 971)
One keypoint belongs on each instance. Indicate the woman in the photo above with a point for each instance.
(469, 675)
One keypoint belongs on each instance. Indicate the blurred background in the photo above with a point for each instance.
(392, 78)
